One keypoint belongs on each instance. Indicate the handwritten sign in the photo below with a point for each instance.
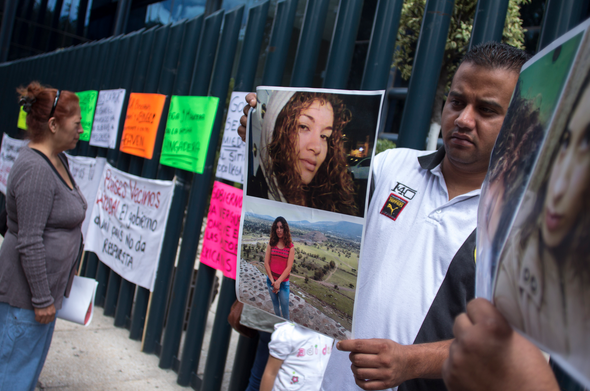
(8, 154)
(87, 171)
(141, 124)
(22, 119)
(127, 224)
(87, 107)
(231, 161)
(105, 127)
(188, 130)
(220, 245)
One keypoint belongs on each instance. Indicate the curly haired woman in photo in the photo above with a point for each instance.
(302, 158)
(278, 262)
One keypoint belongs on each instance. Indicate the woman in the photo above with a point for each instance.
(543, 285)
(45, 213)
(278, 262)
(302, 161)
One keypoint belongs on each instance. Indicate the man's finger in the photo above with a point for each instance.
(481, 311)
(370, 346)
(363, 360)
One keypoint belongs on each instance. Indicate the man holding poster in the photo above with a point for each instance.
(420, 233)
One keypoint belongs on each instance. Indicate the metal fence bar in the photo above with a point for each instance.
(150, 167)
(488, 23)
(159, 298)
(382, 45)
(425, 73)
(342, 46)
(280, 38)
(560, 17)
(196, 210)
(309, 43)
(188, 251)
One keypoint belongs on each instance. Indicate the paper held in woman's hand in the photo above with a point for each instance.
(79, 307)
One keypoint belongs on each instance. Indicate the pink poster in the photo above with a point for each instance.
(223, 225)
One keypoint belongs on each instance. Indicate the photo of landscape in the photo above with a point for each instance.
(324, 273)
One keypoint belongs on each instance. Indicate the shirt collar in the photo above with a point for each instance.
(430, 161)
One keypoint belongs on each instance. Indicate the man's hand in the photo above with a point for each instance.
(488, 355)
(377, 363)
(45, 315)
(251, 99)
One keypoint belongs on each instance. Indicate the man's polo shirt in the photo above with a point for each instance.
(417, 268)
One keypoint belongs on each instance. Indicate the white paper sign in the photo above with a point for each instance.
(87, 171)
(8, 154)
(106, 118)
(232, 154)
(127, 224)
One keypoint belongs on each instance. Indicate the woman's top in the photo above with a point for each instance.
(44, 233)
(304, 353)
(278, 261)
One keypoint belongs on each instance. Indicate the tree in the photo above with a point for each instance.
(332, 264)
(306, 279)
(457, 43)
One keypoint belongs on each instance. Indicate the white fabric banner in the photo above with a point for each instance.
(231, 161)
(127, 224)
(106, 118)
(86, 172)
(8, 154)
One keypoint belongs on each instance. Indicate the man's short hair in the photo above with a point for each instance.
(496, 55)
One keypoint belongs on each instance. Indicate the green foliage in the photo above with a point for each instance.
(459, 33)
(383, 145)
(457, 40)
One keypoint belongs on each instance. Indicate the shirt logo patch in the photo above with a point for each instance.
(404, 191)
(393, 206)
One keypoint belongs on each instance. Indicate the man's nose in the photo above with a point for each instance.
(466, 119)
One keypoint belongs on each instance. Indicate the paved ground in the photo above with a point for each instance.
(101, 357)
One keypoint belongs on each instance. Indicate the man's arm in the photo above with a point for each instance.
(488, 355)
(270, 373)
(382, 363)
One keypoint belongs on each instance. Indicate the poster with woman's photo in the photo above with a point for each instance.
(542, 278)
(309, 156)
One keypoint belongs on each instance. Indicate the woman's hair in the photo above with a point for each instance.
(274, 239)
(576, 246)
(37, 102)
(331, 188)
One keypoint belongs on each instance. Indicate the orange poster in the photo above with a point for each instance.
(141, 124)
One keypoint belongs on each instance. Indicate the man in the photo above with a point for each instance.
(417, 271)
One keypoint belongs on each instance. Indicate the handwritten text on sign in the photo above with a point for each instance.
(86, 171)
(127, 224)
(231, 156)
(141, 124)
(87, 107)
(8, 154)
(188, 130)
(220, 246)
(106, 118)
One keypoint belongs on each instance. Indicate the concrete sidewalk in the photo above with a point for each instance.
(102, 357)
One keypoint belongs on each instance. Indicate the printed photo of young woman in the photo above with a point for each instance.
(543, 281)
(313, 147)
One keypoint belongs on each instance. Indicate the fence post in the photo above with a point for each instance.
(488, 23)
(379, 57)
(150, 167)
(186, 260)
(309, 43)
(199, 195)
(560, 17)
(280, 38)
(425, 73)
(342, 46)
(8, 19)
(160, 294)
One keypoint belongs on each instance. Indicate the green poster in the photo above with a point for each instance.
(22, 119)
(87, 107)
(188, 130)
